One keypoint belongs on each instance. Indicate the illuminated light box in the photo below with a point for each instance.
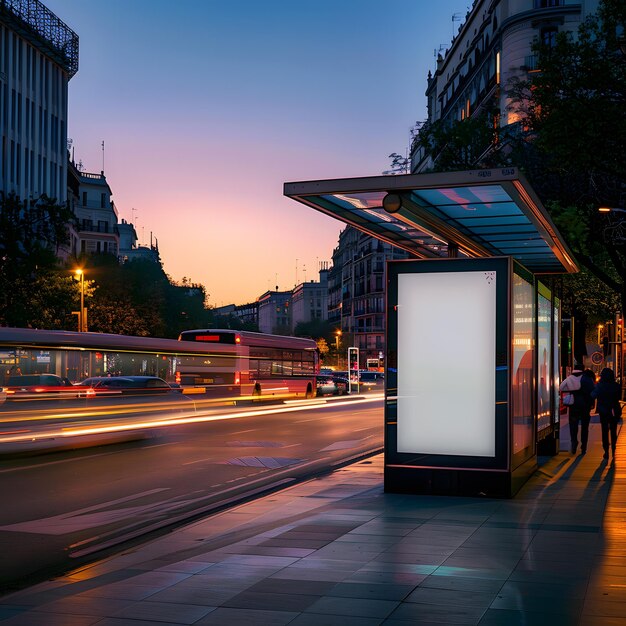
(459, 416)
(446, 363)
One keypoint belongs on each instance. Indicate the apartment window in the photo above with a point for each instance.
(548, 36)
(102, 200)
(544, 4)
(103, 226)
(84, 198)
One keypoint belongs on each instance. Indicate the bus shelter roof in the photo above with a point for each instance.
(481, 213)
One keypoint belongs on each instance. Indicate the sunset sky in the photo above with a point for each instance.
(207, 107)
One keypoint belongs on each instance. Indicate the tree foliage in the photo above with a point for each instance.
(138, 298)
(32, 291)
(572, 112)
(461, 144)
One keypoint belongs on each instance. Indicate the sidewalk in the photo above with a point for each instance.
(337, 550)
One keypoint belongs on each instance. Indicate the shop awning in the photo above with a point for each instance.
(477, 213)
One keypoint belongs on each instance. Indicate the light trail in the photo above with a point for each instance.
(192, 418)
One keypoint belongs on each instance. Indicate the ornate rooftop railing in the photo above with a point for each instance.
(35, 22)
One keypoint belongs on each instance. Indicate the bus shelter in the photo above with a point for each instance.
(473, 324)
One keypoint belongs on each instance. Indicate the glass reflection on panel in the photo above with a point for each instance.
(522, 371)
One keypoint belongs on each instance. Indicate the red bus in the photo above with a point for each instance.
(244, 363)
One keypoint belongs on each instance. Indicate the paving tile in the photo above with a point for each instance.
(270, 601)
(164, 612)
(119, 591)
(451, 597)
(306, 587)
(36, 618)
(354, 607)
(290, 573)
(371, 591)
(123, 621)
(247, 617)
(497, 617)
(461, 584)
(538, 604)
(158, 580)
(544, 591)
(79, 605)
(189, 567)
(605, 609)
(201, 596)
(419, 613)
(386, 578)
(315, 619)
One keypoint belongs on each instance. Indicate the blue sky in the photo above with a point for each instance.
(207, 108)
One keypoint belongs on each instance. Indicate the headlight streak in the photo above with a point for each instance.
(190, 418)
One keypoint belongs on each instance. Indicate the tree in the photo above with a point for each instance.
(32, 292)
(462, 144)
(314, 328)
(574, 139)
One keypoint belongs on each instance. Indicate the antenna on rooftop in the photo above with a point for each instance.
(103, 156)
(456, 17)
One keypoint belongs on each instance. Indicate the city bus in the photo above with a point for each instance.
(218, 363)
(252, 364)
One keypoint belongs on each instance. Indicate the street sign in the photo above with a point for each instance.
(597, 358)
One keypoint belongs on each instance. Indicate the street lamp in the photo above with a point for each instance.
(609, 209)
(82, 321)
(600, 327)
(337, 338)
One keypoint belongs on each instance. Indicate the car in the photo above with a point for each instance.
(332, 386)
(127, 385)
(26, 386)
(372, 380)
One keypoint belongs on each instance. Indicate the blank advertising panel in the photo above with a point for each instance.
(446, 363)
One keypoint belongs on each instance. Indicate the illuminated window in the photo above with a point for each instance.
(498, 67)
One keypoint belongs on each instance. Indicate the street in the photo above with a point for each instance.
(71, 507)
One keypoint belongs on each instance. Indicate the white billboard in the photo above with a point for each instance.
(446, 363)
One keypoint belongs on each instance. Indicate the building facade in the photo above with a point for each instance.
(309, 301)
(275, 312)
(38, 57)
(356, 292)
(96, 216)
(491, 48)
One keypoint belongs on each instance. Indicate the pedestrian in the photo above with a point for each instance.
(607, 394)
(580, 387)
(587, 385)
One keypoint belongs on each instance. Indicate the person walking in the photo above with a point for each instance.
(607, 394)
(579, 410)
(587, 385)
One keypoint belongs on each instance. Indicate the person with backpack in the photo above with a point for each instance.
(607, 393)
(579, 388)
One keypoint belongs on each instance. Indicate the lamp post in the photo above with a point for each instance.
(600, 327)
(337, 338)
(82, 326)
